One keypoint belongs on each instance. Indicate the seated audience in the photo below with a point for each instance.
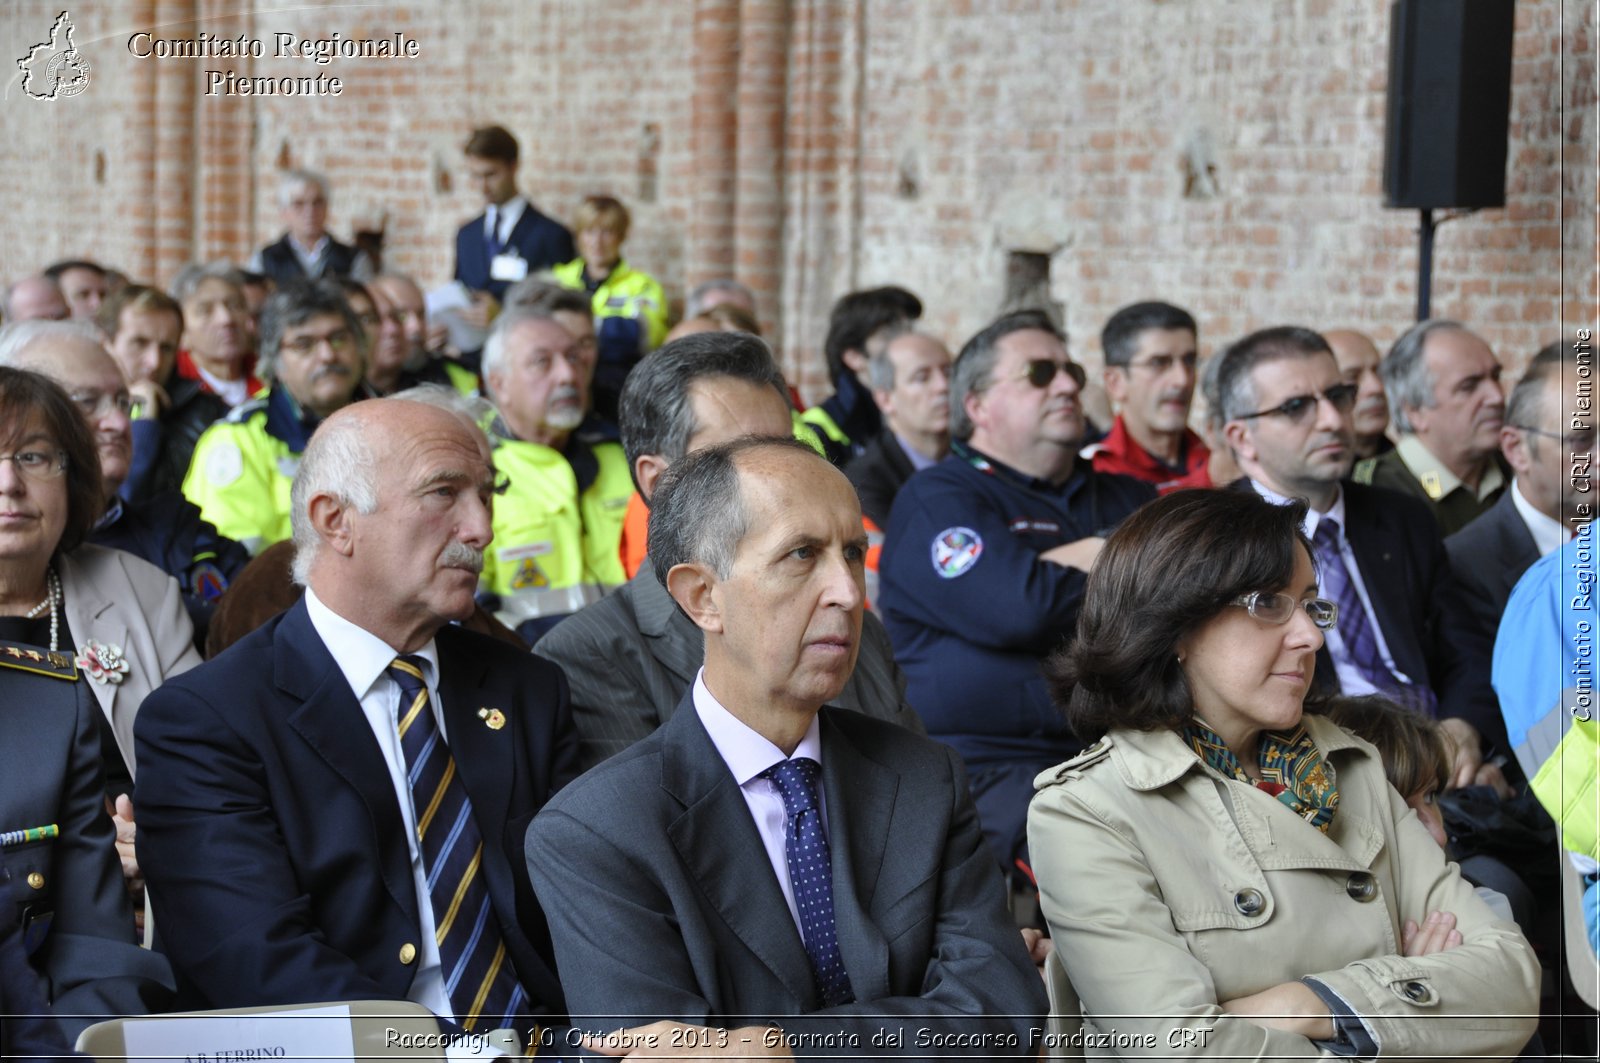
(219, 341)
(1150, 352)
(631, 656)
(166, 529)
(630, 309)
(1223, 872)
(142, 327)
(1443, 384)
(910, 377)
(1359, 360)
(1401, 632)
(84, 286)
(306, 250)
(876, 917)
(558, 524)
(36, 298)
(313, 353)
(858, 327)
(405, 341)
(1550, 497)
(85, 634)
(984, 562)
(359, 772)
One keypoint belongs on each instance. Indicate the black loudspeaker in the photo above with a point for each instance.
(1449, 103)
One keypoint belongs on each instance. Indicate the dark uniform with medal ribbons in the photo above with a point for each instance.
(71, 907)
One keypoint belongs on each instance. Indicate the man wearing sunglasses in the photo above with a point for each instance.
(984, 563)
(1379, 557)
(1444, 395)
(1150, 354)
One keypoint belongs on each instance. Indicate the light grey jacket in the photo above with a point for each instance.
(1169, 889)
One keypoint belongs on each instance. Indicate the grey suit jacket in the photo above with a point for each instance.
(632, 656)
(1488, 556)
(120, 600)
(662, 904)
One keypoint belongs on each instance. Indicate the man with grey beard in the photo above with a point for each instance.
(336, 804)
(558, 527)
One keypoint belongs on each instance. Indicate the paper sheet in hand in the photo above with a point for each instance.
(309, 1033)
(445, 304)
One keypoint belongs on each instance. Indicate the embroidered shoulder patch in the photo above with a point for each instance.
(955, 550)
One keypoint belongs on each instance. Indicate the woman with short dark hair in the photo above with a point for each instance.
(1223, 875)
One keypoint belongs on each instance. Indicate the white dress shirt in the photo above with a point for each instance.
(363, 658)
(504, 218)
(747, 754)
(1351, 681)
(1549, 535)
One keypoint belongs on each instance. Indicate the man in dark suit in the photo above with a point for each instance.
(786, 871)
(1379, 555)
(307, 251)
(333, 808)
(910, 378)
(1550, 497)
(631, 656)
(510, 239)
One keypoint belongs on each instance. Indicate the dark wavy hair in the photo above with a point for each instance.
(1170, 567)
(24, 393)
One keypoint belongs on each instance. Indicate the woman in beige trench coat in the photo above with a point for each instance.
(1224, 877)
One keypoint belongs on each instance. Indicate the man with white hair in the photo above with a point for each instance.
(336, 804)
(36, 298)
(307, 251)
(559, 526)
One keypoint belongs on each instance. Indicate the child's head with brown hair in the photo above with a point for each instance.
(1416, 753)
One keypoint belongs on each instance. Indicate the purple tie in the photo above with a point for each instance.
(1355, 628)
(811, 874)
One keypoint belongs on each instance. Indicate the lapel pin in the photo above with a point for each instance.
(493, 717)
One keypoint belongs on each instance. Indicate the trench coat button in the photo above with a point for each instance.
(408, 952)
(1417, 992)
(1361, 887)
(1249, 902)
(36, 880)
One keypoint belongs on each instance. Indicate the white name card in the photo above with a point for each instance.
(308, 1033)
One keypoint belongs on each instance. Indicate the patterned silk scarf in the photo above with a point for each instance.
(1292, 770)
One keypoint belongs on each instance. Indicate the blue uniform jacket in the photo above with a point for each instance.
(971, 608)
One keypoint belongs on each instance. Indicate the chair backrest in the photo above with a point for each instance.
(383, 1029)
(1066, 1013)
(1582, 966)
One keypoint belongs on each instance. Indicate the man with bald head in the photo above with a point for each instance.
(1358, 360)
(36, 298)
(336, 803)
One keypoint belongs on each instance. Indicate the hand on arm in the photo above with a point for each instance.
(1468, 750)
(122, 819)
(1079, 555)
(149, 399)
(1291, 1007)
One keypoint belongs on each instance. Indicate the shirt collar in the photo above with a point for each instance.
(983, 463)
(286, 421)
(918, 459)
(1309, 525)
(112, 514)
(1432, 474)
(362, 656)
(1148, 760)
(1549, 534)
(507, 214)
(746, 752)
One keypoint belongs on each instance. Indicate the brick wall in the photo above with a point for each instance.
(1223, 154)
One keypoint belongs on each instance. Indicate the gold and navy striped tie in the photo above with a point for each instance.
(478, 976)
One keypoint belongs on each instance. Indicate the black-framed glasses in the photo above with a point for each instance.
(46, 464)
(1579, 442)
(1041, 371)
(339, 342)
(1161, 364)
(1341, 397)
(1271, 608)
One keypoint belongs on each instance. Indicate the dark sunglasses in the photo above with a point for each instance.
(1041, 371)
(1341, 396)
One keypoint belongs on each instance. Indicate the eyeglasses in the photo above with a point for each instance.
(1041, 371)
(1341, 397)
(94, 403)
(38, 464)
(1161, 364)
(339, 342)
(1580, 442)
(1278, 608)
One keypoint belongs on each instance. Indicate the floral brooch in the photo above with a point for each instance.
(102, 663)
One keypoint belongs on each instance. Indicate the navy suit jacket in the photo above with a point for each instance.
(1488, 556)
(271, 838)
(1418, 603)
(663, 906)
(541, 240)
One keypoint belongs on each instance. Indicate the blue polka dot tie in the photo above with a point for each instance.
(478, 978)
(811, 874)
